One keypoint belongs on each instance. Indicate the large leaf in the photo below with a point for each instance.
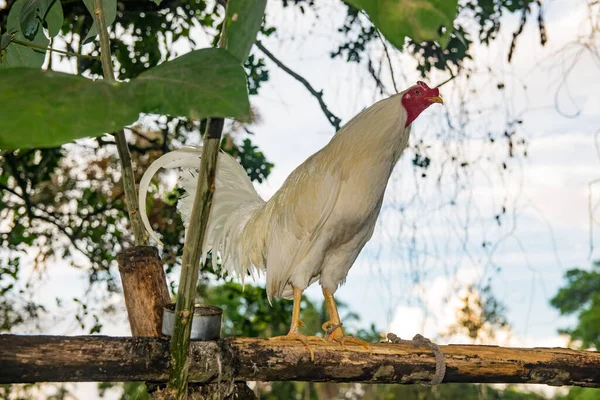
(32, 14)
(18, 55)
(418, 19)
(43, 109)
(203, 83)
(55, 18)
(110, 13)
(242, 22)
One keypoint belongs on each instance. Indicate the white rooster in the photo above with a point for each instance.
(316, 224)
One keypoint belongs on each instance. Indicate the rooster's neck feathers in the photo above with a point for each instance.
(376, 132)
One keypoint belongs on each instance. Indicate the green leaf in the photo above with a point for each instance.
(55, 19)
(32, 14)
(18, 55)
(43, 108)
(200, 84)
(243, 20)
(110, 13)
(157, 2)
(418, 19)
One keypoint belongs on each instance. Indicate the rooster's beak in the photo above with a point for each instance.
(435, 99)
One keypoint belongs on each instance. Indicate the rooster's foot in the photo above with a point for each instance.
(335, 333)
(301, 338)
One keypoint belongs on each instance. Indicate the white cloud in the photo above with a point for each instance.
(442, 300)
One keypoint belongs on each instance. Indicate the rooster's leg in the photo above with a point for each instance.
(294, 334)
(333, 328)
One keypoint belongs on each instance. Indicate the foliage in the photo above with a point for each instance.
(252, 159)
(14, 54)
(243, 21)
(480, 315)
(461, 391)
(34, 12)
(109, 11)
(581, 296)
(359, 33)
(580, 393)
(421, 20)
(62, 107)
(50, 115)
(52, 391)
(131, 390)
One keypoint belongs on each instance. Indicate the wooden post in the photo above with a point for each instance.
(144, 288)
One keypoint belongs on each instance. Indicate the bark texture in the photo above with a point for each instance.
(144, 288)
(25, 359)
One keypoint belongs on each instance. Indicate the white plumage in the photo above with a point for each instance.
(316, 224)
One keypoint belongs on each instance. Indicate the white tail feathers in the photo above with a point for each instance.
(235, 201)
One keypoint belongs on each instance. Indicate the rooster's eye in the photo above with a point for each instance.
(417, 92)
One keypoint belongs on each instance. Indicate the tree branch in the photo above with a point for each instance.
(131, 200)
(66, 53)
(28, 359)
(333, 120)
(389, 60)
(107, 67)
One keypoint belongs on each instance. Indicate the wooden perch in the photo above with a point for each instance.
(28, 359)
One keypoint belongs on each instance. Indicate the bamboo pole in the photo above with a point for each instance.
(192, 250)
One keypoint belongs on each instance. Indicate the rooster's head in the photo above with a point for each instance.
(417, 98)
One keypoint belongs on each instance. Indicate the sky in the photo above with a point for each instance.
(409, 288)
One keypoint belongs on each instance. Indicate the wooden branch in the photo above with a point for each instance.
(333, 120)
(144, 288)
(28, 359)
(131, 201)
(107, 66)
(46, 48)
